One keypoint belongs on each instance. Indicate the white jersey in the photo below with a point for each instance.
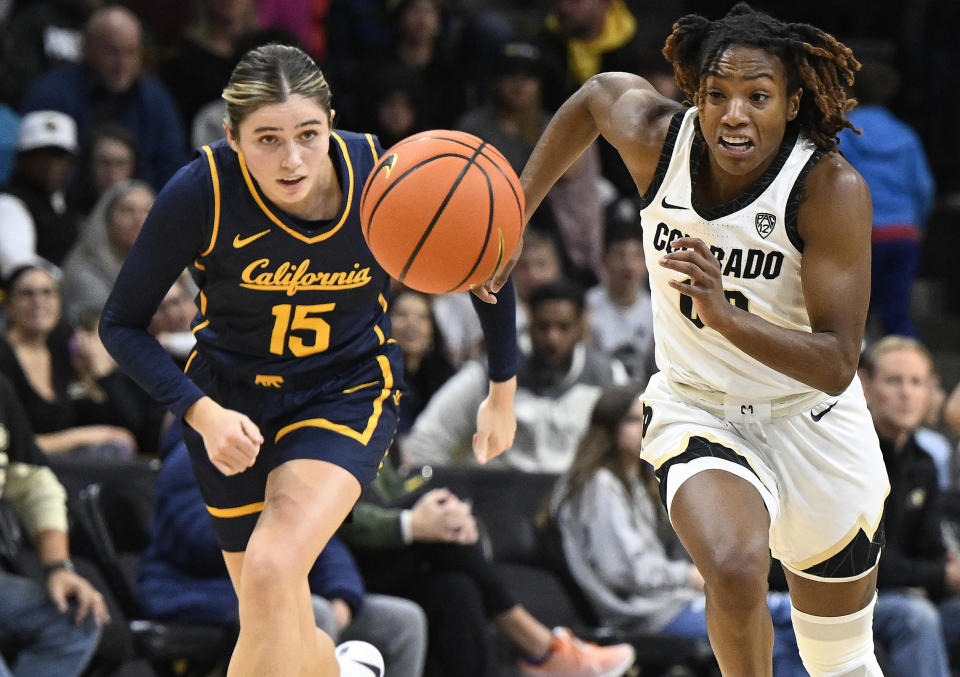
(754, 237)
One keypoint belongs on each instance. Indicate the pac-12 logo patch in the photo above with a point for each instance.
(765, 224)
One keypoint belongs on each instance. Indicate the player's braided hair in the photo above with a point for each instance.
(814, 60)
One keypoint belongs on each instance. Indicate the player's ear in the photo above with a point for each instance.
(333, 114)
(793, 106)
(230, 138)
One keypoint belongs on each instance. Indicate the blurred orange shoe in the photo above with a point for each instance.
(572, 657)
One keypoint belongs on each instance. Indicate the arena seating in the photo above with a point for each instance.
(507, 504)
(111, 505)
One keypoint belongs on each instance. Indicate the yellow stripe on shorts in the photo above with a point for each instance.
(239, 511)
(363, 437)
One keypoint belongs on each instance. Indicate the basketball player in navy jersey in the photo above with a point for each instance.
(757, 238)
(290, 398)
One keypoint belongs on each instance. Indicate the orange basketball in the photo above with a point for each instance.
(441, 211)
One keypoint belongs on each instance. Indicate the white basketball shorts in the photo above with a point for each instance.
(819, 470)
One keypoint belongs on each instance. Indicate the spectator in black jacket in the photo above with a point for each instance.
(917, 617)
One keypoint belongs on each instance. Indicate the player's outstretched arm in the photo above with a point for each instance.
(496, 421)
(623, 108)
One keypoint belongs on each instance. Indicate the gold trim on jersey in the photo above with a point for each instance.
(239, 511)
(373, 148)
(383, 302)
(379, 333)
(363, 437)
(186, 367)
(203, 311)
(215, 178)
(273, 217)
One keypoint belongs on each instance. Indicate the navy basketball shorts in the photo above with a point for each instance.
(349, 420)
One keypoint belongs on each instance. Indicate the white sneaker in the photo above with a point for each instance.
(359, 659)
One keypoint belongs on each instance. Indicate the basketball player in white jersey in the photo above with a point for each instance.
(757, 238)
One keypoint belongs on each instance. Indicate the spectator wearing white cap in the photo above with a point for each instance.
(35, 218)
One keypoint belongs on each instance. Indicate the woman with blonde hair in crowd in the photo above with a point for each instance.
(93, 263)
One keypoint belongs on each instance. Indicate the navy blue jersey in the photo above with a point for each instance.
(279, 295)
(282, 300)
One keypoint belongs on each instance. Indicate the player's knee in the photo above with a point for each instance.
(738, 575)
(837, 646)
(267, 569)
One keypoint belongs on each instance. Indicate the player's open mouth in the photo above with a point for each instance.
(292, 182)
(736, 145)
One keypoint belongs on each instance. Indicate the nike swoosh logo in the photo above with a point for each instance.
(816, 417)
(667, 205)
(244, 241)
(375, 669)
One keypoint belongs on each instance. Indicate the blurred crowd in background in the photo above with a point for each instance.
(101, 102)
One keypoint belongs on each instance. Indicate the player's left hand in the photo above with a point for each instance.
(486, 291)
(482, 292)
(496, 421)
(692, 258)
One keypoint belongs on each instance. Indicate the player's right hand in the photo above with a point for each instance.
(232, 440)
